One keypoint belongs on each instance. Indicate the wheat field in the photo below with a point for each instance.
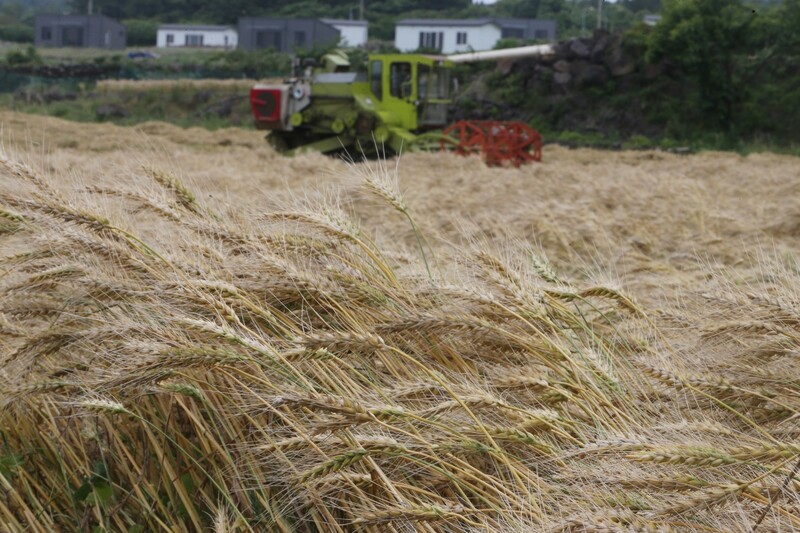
(198, 334)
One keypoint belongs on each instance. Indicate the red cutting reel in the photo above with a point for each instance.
(497, 141)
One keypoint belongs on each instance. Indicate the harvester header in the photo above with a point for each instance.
(399, 102)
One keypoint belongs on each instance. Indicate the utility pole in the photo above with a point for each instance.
(361, 10)
(599, 14)
(90, 7)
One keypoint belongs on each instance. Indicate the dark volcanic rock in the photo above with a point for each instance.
(580, 49)
(562, 78)
(654, 71)
(599, 48)
(586, 73)
(561, 66)
(617, 61)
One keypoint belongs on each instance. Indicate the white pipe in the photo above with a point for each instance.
(506, 53)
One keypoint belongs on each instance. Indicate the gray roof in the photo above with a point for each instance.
(501, 22)
(345, 22)
(196, 27)
(447, 22)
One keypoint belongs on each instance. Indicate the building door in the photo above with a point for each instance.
(269, 39)
(72, 36)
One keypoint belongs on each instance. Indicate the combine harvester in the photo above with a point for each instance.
(400, 102)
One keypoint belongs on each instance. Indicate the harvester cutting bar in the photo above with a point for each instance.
(496, 141)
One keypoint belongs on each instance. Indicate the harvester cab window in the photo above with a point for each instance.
(400, 80)
(376, 79)
(423, 76)
(434, 83)
(440, 83)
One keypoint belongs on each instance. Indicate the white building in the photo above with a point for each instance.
(447, 35)
(195, 35)
(465, 35)
(353, 32)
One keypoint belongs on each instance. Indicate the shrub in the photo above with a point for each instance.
(255, 64)
(141, 32)
(16, 32)
(28, 57)
(509, 42)
(639, 142)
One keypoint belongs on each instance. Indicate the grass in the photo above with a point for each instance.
(196, 337)
(81, 54)
(212, 104)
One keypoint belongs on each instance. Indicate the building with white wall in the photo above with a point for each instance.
(446, 35)
(196, 35)
(353, 33)
(463, 35)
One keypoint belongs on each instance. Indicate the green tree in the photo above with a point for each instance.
(141, 32)
(706, 39)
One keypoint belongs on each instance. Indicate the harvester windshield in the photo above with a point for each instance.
(434, 83)
(433, 90)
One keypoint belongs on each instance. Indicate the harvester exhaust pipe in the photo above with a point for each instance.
(499, 55)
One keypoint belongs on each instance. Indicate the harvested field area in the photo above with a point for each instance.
(199, 334)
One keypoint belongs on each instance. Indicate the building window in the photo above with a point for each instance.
(47, 33)
(513, 33)
(170, 38)
(376, 79)
(431, 39)
(461, 37)
(299, 38)
(400, 80)
(541, 34)
(193, 39)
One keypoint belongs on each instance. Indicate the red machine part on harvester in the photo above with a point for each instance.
(496, 141)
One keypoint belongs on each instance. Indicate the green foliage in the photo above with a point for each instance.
(736, 64)
(576, 138)
(16, 32)
(255, 64)
(507, 88)
(637, 37)
(10, 463)
(141, 32)
(358, 57)
(30, 56)
(521, 8)
(183, 104)
(95, 489)
(508, 43)
(638, 142)
(703, 38)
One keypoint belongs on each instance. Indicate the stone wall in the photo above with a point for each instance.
(598, 84)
